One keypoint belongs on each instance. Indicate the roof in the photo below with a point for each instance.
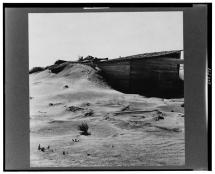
(145, 55)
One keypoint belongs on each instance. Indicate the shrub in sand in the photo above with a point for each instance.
(83, 127)
(89, 113)
(58, 62)
(36, 69)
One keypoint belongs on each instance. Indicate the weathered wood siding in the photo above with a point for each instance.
(117, 75)
(152, 76)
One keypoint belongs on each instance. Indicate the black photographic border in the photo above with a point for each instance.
(198, 61)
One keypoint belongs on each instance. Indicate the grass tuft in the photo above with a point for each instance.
(83, 127)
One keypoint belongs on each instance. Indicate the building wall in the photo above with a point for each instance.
(155, 75)
(117, 75)
(148, 76)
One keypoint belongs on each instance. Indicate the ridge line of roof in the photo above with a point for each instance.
(149, 54)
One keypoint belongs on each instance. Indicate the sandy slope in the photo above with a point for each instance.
(126, 130)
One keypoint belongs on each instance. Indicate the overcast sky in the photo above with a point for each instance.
(66, 36)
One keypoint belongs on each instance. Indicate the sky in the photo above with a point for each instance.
(67, 36)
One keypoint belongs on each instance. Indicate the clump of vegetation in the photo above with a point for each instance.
(58, 62)
(43, 149)
(83, 127)
(74, 108)
(159, 118)
(36, 69)
(89, 113)
(80, 58)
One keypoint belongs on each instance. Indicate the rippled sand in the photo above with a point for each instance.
(126, 129)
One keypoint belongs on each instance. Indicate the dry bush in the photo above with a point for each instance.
(36, 69)
(83, 127)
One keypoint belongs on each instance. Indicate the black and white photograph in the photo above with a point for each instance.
(106, 89)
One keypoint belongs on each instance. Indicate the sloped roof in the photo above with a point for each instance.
(146, 55)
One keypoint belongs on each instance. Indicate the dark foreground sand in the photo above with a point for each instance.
(126, 129)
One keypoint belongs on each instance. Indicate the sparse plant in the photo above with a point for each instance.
(43, 149)
(74, 108)
(83, 127)
(36, 69)
(58, 62)
(80, 58)
(89, 113)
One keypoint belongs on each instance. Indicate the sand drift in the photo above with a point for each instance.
(122, 129)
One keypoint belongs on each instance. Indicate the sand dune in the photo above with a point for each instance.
(125, 129)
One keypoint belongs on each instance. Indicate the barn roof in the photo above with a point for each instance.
(146, 55)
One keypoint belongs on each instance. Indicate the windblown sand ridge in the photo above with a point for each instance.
(125, 129)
